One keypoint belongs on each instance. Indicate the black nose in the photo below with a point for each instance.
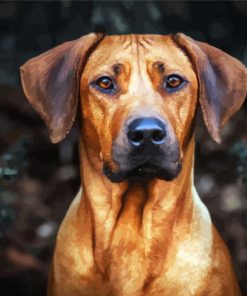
(146, 130)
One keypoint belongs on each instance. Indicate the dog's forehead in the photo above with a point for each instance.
(133, 47)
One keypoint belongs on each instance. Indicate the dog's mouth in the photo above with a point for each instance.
(144, 172)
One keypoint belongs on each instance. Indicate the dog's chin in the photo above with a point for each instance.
(143, 173)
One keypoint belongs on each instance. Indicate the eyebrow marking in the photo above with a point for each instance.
(159, 66)
(117, 68)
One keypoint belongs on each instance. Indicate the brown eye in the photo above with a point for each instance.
(173, 81)
(105, 83)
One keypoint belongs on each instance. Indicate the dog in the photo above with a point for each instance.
(137, 226)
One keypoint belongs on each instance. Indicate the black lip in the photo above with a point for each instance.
(114, 177)
(144, 172)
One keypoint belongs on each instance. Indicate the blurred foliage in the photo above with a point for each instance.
(7, 217)
(240, 150)
(14, 159)
(11, 163)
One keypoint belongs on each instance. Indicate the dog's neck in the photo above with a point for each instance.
(135, 213)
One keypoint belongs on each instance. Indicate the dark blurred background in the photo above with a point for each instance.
(38, 179)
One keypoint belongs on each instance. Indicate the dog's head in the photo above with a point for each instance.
(138, 94)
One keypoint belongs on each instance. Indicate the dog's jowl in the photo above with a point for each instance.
(137, 226)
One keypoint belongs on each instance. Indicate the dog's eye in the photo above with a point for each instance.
(105, 83)
(173, 81)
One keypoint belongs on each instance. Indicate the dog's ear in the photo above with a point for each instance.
(51, 82)
(222, 82)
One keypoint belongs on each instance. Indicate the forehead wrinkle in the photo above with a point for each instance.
(144, 42)
(122, 39)
(136, 52)
(126, 42)
(139, 83)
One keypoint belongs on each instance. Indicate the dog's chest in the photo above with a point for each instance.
(184, 271)
(130, 269)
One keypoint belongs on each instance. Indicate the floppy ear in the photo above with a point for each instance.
(222, 82)
(51, 83)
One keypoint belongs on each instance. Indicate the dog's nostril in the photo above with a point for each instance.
(136, 137)
(158, 136)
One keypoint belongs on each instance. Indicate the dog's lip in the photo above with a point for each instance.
(144, 172)
(148, 171)
(144, 169)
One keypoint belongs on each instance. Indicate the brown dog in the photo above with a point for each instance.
(139, 227)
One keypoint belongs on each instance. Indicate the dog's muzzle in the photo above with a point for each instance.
(144, 150)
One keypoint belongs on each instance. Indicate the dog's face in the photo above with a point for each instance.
(138, 97)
